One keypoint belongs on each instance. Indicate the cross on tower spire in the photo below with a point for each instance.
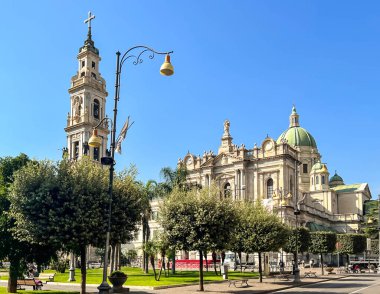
(88, 21)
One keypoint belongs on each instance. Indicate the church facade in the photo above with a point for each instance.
(286, 174)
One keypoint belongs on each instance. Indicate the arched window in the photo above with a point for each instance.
(96, 108)
(317, 180)
(269, 188)
(323, 180)
(227, 190)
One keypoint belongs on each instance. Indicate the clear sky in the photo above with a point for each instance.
(247, 61)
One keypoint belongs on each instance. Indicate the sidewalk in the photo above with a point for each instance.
(269, 285)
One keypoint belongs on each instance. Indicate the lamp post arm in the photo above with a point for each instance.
(102, 120)
(137, 58)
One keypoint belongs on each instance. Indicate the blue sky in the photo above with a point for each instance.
(247, 61)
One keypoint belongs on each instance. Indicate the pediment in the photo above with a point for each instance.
(221, 159)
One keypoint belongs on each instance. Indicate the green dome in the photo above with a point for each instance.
(336, 178)
(297, 136)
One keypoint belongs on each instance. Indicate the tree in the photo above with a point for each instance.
(238, 243)
(174, 178)
(197, 220)
(63, 205)
(297, 241)
(17, 252)
(351, 243)
(262, 231)
(322, 242)
(66, 205)
(127, 204)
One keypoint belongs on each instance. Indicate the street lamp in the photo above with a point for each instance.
(166, 70)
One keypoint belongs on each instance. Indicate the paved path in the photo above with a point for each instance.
(363, 284)
(332, 284)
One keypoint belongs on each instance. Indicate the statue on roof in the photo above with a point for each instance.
(226, 127)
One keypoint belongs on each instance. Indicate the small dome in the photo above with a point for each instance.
(336, 180)
(296, 135)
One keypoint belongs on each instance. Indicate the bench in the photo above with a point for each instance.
(310, 274)
(234, 282)
(48, 277)
(248, 267)
(36, 284)
(283, 277)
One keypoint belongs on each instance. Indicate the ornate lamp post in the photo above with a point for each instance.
(166, 70)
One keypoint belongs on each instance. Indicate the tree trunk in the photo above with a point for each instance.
(241, 264)
(322, 264)
(113, 247)
(214, 262)
(223, 255)
(119, 261)
(162, 266)
(13, 275)
(205, 255)
(143, 247)
(173, 262)
(201, 271)
(83, 269)
(153, 266)
(260, 269)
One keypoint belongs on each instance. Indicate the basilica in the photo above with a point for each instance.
(286, 174)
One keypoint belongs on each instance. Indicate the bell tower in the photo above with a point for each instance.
(87, 103)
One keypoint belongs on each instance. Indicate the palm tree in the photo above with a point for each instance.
(174, 178)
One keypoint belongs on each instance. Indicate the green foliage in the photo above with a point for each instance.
(43, 192)
(322, 242)
(127, 206)
(173, 178)
(371, 219)
(262, 230)
(298, 239)
(351, 243)
(198, 219)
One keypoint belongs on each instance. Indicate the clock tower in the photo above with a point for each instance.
(87, 103)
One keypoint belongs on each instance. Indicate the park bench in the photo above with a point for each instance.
(247, 267)
(241, 282)
(47, 277)
(36, 284)
(283, 277)
(310, 274)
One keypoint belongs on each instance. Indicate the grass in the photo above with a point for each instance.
(137, 278)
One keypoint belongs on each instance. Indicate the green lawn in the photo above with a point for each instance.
(137, 278)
